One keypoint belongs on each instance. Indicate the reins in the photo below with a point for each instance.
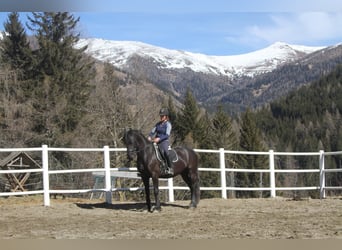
(134, 150)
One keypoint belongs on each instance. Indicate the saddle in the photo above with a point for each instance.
(172, 154)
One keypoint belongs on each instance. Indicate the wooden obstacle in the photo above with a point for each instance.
(18, 161)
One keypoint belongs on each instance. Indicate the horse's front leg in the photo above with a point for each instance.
(156, 193)
(146, 181)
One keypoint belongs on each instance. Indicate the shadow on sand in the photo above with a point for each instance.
(140, 207)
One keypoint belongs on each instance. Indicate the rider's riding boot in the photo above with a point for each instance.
(169, 169)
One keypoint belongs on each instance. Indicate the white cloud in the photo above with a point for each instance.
(303, 28)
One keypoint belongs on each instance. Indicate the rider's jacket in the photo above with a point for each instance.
(162, 130)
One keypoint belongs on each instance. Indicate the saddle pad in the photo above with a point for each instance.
(173, 155)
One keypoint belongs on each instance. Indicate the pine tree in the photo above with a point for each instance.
(202, 135)
(16, 61)
(62, 76)
(250, 140)
(15, 48)
(222, 130)
(223, 136)
(188, 119)
(192, 127)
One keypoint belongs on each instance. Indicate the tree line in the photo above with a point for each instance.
(52, 93)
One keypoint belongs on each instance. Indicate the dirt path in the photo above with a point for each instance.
(27, 218)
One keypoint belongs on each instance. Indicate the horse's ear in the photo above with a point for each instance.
(127, 130)
(124, 134)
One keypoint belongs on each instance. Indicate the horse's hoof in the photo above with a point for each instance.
(154, 208)
(192, 206)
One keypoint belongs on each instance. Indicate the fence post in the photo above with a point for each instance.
(170, 188)
(108, 184)
(272, 174)
(321, 175)
(223, 174)
(46, 182)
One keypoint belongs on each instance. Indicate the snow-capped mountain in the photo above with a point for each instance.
(238, 81)
(265, 60)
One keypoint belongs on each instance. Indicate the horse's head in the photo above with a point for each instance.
(129, 141)
(135, 142)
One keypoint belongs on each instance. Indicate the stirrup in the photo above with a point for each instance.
(169, 171)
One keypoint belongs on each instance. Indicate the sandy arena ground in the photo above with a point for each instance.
(278, 218)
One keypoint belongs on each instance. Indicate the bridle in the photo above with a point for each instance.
(133, 148)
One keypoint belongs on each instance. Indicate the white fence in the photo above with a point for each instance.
(108, 172)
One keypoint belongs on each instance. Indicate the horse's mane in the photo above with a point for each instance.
(136, 132)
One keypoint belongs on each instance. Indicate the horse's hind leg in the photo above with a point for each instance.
(195, 195)
(196, 190)
(192, 180)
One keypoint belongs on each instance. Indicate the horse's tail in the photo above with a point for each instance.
(195, 177)
(193, 156)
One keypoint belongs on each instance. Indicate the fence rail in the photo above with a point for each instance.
(109, 172)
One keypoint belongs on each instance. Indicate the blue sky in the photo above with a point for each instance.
(214, 27)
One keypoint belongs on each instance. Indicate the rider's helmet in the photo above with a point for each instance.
(164, 111)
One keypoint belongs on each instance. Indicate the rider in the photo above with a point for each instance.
(160, 134)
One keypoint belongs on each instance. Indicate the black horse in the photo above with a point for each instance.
(149, 167)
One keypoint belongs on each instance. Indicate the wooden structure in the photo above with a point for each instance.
(18, 161)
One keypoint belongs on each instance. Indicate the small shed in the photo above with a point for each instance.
(15, 161)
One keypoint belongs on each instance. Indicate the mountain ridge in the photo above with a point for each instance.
(255, 79)
(248, 64)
